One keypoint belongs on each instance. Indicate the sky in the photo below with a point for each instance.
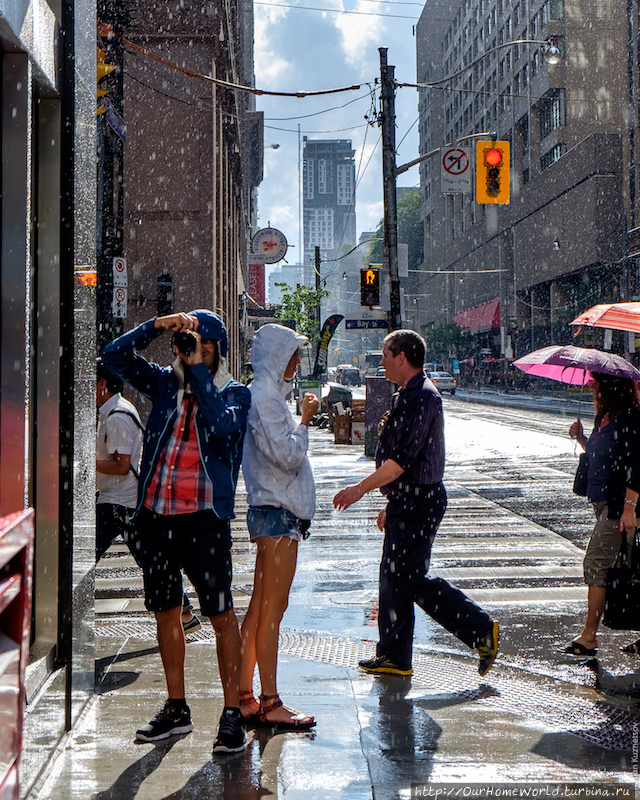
(298, 49)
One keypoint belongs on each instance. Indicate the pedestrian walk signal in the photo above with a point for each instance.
(370, 287)
(493, 172)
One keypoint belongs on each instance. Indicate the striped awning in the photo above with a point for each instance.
(617, 316)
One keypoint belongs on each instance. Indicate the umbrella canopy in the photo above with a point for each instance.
(617, 316)
(575, 364)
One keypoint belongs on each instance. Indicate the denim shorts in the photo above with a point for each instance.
(273, 523)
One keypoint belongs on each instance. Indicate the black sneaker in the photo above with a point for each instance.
(231, 737)
(169, 721)
(488, 649)
(191, 625)
(381, 665)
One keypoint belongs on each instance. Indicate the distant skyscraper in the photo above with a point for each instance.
(329, 198)
(291, 274)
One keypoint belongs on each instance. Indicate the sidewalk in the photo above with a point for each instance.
(537, 716)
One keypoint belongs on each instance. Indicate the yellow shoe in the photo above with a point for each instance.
(488, 649)
(381, 665)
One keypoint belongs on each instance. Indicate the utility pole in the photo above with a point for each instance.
(316, 269)
(388, 126)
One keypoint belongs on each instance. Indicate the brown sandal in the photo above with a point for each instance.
(246, 699)
(298, 721)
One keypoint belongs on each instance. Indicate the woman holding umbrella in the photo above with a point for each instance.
(613, 487)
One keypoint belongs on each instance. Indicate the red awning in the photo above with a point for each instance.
(480, 318)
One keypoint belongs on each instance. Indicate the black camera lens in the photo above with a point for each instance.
(185, 342)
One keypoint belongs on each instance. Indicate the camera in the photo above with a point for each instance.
(185, 342)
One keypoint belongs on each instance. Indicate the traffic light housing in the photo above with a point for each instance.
(370, 287)
(102, 70)
(493, 172)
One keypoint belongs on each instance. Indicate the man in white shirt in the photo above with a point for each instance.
(118, 451)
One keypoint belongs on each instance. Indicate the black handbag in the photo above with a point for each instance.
(622, 601)
(580, 480)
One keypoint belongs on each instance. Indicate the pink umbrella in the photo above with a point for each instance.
(617, 316)
(574, 365)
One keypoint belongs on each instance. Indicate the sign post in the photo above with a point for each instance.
(120, 283)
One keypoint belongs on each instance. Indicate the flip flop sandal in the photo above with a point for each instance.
(577, 649)
(632, 649)
(269, 703)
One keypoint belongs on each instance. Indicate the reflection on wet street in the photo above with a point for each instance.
(511, 540)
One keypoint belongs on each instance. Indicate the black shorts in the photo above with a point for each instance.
(199, 543)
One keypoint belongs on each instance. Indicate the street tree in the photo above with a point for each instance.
(447, 341)
(300, 307)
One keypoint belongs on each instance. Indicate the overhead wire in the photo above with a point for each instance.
(335, 10)
(236, 86)
(317, 113)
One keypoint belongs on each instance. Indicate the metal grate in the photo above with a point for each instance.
(507, 688)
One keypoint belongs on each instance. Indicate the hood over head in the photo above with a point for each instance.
(272, 348)
(211, 326)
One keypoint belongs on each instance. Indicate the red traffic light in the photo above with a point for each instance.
(493, 157)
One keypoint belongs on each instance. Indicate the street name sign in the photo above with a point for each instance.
(364, 324)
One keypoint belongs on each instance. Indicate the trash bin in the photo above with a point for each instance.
(336, 394)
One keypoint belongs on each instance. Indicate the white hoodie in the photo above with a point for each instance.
(276, 469)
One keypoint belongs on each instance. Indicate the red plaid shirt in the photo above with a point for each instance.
(179, 484)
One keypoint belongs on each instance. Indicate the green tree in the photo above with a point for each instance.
(447, 341)
(300, 306)
(410, 229)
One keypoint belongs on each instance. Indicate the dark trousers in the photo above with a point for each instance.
(411, 525)
(111, 521)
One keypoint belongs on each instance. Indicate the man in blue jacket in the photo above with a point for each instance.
(188, 475)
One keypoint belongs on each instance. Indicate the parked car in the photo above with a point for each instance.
(349, 376)
(443, 381)
(381, 372)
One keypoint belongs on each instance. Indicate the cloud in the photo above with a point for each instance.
(357, 32)
(369, 215)
(298, 49)
(269, 66)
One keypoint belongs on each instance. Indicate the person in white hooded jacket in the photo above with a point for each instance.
(282, 498)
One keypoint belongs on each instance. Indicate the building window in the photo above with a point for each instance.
(321, 231)
(552, 9)
(552, 113)
(164, 294)
(345, 181)
(308, 178)
(555, 154)
(322, 176)
(534, 26)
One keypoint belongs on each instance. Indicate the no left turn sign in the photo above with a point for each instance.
(455, 161)
(455, 172)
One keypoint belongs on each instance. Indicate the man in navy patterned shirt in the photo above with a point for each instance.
(410, 467)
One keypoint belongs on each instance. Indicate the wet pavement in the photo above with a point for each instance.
(537, 716)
